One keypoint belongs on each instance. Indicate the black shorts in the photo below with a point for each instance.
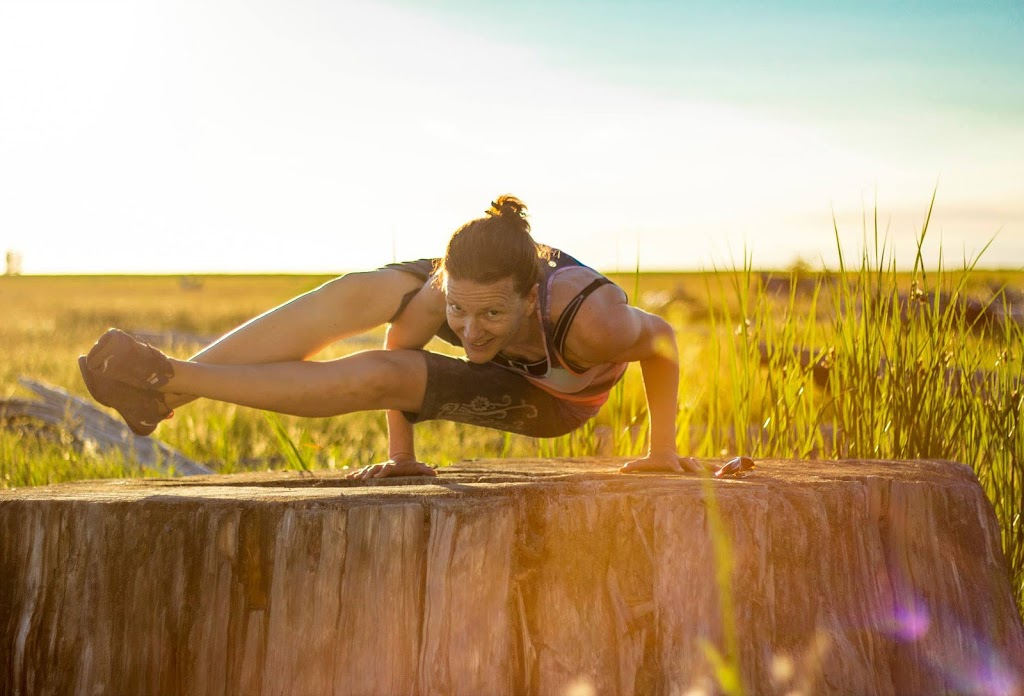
(491, 396)
(487, 394)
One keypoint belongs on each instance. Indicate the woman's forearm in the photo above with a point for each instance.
(661, 381)
(401, 440)
(661, 384)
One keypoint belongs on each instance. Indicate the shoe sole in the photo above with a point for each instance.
(100, 356)
(138, 427)
(100, 345)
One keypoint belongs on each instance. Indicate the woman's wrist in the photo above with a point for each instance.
(666, 449)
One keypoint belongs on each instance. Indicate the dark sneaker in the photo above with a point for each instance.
(141, 409)
(737, 467)
(122, 357)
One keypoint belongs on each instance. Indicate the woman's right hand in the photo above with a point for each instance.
(404, 467)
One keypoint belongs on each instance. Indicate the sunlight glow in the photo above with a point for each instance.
(314, 136)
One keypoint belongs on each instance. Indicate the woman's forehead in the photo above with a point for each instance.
(469, 292)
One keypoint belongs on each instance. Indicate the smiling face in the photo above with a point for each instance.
(487, 316)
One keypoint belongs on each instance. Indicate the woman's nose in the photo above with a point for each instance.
(471, 330)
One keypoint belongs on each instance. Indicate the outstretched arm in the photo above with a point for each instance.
(612, 331)
(655, 349)
(412, 330)
(660, 367)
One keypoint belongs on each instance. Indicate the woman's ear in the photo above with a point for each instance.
(531, 298)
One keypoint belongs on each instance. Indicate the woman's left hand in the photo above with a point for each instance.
(405, 467)
(664, 461)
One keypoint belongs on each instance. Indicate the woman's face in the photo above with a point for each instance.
(487, 316)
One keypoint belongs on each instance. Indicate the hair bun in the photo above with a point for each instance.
(496, 246)
(508, 207)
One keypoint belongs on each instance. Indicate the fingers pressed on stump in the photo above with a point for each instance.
(674, 464)
(392, 469)
(653, 462)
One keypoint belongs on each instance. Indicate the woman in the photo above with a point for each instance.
(546, 338)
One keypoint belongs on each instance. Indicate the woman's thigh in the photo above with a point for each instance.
(300, 328)
(492, 397)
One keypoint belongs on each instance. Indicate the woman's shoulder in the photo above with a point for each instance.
(567, 282)
(591, 320)
(591, 324)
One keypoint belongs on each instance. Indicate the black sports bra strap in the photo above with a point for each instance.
(569, 313)
(406, 299)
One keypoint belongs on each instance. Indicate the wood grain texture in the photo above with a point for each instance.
(509, 577)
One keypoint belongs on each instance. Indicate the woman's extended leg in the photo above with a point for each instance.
(371, 380)
(302, 327)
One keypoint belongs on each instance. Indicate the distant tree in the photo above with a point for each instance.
(800, 268)
(13, 263)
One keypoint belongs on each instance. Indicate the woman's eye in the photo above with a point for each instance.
(493, 314)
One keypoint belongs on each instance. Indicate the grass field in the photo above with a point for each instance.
(912, 370)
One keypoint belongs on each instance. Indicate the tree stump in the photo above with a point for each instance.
(533, 577)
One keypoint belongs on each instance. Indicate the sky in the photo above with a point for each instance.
(189, 136)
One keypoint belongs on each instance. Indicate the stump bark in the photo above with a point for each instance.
(531, 577)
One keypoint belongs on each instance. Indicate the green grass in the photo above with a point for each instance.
(31, 456)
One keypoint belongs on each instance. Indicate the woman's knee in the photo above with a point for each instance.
(396, 378)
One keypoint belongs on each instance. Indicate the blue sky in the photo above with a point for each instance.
(321, 136)
(783, 56)
(849, 67)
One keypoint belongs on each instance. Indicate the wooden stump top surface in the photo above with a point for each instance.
(491, 477)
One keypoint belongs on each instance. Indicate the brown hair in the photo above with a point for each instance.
(496, 246)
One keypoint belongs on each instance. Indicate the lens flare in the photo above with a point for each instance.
(911, 622)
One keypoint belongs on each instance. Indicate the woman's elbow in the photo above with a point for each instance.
(663, 339)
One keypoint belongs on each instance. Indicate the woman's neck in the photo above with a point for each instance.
(528, 343)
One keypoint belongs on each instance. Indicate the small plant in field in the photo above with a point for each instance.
(291, 451)
(726, 664)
